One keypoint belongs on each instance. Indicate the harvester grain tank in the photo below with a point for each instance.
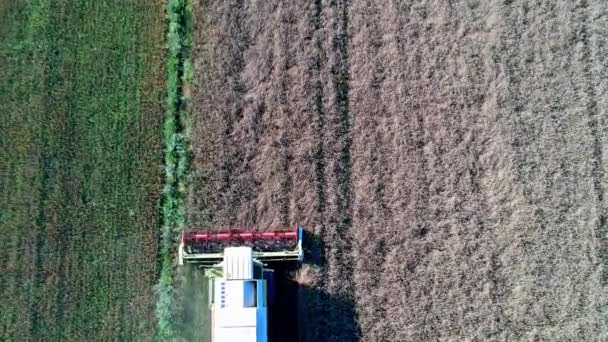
(236, 264)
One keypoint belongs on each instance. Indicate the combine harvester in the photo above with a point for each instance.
(240, 279)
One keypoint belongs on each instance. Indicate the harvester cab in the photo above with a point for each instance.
(238, 265)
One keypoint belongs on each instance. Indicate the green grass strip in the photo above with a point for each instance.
(176, 162)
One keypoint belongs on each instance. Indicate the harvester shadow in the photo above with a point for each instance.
(314, 248)
(326, 317)
(305, 311)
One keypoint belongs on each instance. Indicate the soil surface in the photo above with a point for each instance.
(447, 159)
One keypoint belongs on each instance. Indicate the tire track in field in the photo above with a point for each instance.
(600, 231)
(512, 215)
(338, 237)
(56, 222)
(551, 216)
(319, 147)
(283, 58)
(232, 50)
(598, 21)
(39, 246)
(290, 98)
(594, 70)
(502, 198)
(50, 182)
(311, 201)
(64, 230)
(39, 240)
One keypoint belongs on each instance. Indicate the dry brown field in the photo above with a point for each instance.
(448, 159)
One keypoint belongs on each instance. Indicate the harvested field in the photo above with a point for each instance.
(81, 99)
(448, 159)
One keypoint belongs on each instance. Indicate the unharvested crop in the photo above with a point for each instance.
(447, 159)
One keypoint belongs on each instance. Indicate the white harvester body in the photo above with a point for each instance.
(234, 264)
(239, 310)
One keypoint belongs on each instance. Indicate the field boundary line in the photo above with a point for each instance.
(176, 161)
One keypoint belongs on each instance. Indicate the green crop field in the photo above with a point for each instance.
(81, 154)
